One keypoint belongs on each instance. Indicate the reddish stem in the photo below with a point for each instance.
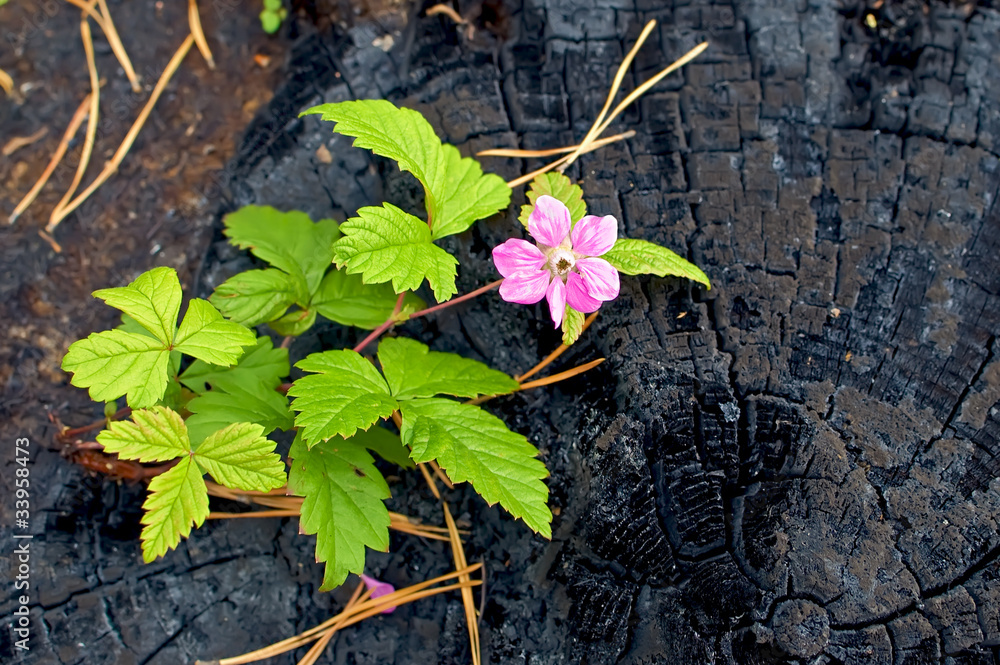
(454, 301)
(390, 322)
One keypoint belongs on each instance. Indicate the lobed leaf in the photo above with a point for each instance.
(253, 297)
(640, 257)
(560, 187)
(240, 456)
(456, 190)
(475, 446)
(384, 243)
(263, 361)
(115, 363)
(153, 435)
(294, 323)
(152, 300)
(347, 300)
(237, 400)
(386, 444)
(177, 499)
(345, 394)
(207, 336)
(413, 370)
(343, 505)
(287, 240)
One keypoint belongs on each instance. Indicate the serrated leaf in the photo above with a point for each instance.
(475, 446)
(253, 297)
(347, 300)
(153, 435)
(115, 363)
(263, 361)
(560, 187)
(152, 300)
(287, 240)
(294, 323)
(177, 499)
(466, 195)
(456, 191)
(386, 444)
(240, 456)
(572, 325)
(245, 399)
(639, 257)
(343, 505)
(384, 243)
(413, 370)
(345, 394)
(207, 336)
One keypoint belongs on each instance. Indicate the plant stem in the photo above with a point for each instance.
(389, 322)
(454, 301)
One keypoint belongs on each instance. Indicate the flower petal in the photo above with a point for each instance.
(556, 295)
(525, 288)
(600, 278)
(517, 255)
(379, 589)
(577, 296)
(593, 235)
(549, 221)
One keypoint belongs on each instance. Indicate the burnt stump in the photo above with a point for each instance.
(799, 465)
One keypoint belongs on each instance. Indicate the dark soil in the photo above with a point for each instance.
(799, 465)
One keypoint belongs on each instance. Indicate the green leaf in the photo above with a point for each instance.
(254, 296)
(456, 191)
(263, 361)
(572, 325)
(205, 335)
(177, 499)
(466, 195)
(345, 394)
(241, 456)
(384, 243)
(152, 300)
(559, 187)
(412, 370)
(347, 300)
(639, 257)
(294, 323)
(386, 444)
(115, 363)
(153, 435)
(287, 240)
(473, 445)
(270, 21)
(343, 505)
(245, 399)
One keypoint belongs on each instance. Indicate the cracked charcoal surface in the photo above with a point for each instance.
(800, 465)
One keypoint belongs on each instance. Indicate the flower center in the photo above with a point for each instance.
(561, 261)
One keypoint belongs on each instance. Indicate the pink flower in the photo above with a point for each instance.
(379, 589)
(563, 268)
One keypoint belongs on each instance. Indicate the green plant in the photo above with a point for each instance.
(272, 16)
(214, 415)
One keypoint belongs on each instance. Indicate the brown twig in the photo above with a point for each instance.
(95, 106)
(117, 47)
(18, 142)
(358, 612)
(7, 83)
(549, 359)
(194, 20)
(74, 125)
(123, 149)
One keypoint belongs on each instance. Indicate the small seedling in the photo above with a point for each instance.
(206, 394)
